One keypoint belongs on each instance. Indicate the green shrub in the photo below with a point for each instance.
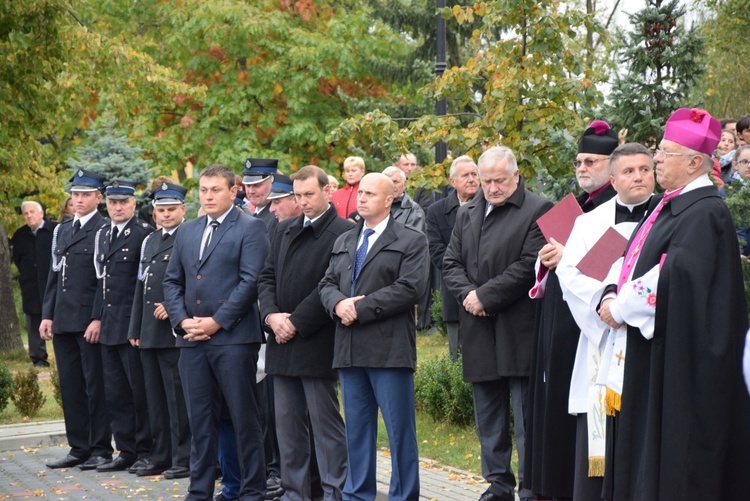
(28, 397)
(441, 392)
(6, 387)
(54, 378)
(436, 310)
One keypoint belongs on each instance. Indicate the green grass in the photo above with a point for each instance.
(50, 410)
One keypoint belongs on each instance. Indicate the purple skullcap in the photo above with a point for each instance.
(693, 128)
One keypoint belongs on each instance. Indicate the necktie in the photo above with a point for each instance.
(359, 257)
(307, 223)
(165, 236)
(76, 226)
(115, 232)
(214, 224)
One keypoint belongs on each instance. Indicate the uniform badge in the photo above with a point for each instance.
(164, 187)
(124, 249)
(248, 163)
(166, 257)
(80, 173)
(127, 232)
(115, 184)
(101, 258)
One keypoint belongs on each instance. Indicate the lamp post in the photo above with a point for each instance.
(441, 149)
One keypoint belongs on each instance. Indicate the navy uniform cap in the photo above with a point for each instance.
(120, 189)
(259, 169)
(86, 180)
(169, 194)
(281, 187)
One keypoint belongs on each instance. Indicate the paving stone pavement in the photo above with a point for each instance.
(25, 450)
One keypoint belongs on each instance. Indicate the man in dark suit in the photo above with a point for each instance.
(299, 354)
(441, 218)
(67, 312)
(150, 331)
(377, 273)
(489, 268)
(211, 292)
(32, 246)
(118, 250)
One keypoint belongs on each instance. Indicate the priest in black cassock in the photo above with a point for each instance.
(683, 428)
(550, 430)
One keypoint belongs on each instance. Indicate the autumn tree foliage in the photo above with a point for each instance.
(521, 87)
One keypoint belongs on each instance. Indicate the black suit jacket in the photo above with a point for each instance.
(31, 255)
(114, 295)
(393, 277)
(70, 291)
(288, 283)
(149, 291)
(269, 219)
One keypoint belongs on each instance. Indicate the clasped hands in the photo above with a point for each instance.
(473, 305)
(346, 311)
(199, 328)
(282, 327)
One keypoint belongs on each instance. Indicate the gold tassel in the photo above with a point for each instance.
(596, 466)
(612, 402)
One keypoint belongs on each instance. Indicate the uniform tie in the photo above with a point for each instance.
(115, 232)
(76, 226)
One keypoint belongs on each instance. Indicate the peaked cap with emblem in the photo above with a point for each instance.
(257, 170)
(86, 180)
(281, 187)
(169, 194)
(120, 189)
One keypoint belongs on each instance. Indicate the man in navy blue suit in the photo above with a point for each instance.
(211, 296)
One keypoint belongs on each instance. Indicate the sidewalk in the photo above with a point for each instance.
(25, 449)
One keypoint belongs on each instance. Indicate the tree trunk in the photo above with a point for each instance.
(10, 335)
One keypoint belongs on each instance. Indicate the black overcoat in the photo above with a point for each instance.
(32, 256)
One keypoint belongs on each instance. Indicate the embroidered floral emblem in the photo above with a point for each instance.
(645, 292)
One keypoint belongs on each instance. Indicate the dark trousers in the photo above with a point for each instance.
(126, 400)
(167, 411)
(37, 345)
(392, 390)
(209, 374)
(492, 414)
(308, 407)
(79, 366)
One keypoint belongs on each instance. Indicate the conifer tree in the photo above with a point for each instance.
(663, 61)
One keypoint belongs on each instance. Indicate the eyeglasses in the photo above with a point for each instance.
(662, 153)
(588, 162)
(742, 163)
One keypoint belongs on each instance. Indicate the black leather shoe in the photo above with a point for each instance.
(220, 497)
(177, 472)
(139, 464)
(93, 463)
(68, 461)
(150, 470)
(490, 496)
(118, 464)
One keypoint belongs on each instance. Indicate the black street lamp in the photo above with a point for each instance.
(441, 149)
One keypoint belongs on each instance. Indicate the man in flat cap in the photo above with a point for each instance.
(151, 332)
(67, 311)
(118, 251)
(682, 429)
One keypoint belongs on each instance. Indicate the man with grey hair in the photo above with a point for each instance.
(404, 209)
(489, 268)
(32, 247)
(441, 218)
